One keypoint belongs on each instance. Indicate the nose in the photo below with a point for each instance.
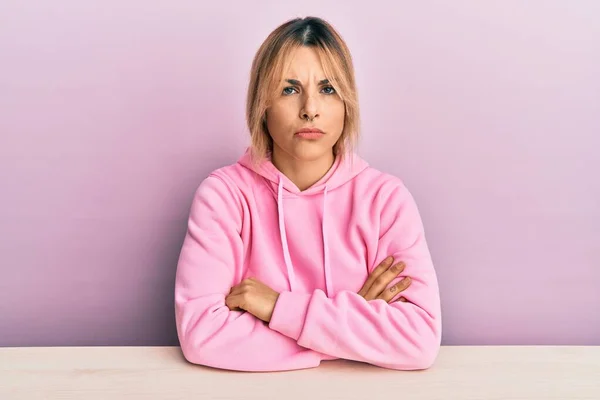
(309, 110)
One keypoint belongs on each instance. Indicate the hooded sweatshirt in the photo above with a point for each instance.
(316, 248)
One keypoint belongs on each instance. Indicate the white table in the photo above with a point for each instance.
(460, 372)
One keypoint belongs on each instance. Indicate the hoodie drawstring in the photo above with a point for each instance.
(286, 250)
(326, 247)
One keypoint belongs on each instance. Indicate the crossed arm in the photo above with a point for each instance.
(248, 326)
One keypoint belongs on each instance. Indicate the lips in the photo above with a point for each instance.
(309, 133)
(310, 130)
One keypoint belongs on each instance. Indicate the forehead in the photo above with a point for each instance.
(303, 61)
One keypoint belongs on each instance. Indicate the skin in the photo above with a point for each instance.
(304, 161)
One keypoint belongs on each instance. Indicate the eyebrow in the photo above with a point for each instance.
(297, 82)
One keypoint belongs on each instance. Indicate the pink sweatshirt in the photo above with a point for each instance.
(316, 248)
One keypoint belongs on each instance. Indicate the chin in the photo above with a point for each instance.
(308, 151)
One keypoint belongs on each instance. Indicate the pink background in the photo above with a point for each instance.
(111, 113)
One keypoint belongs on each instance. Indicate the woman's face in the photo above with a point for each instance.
(303, 93)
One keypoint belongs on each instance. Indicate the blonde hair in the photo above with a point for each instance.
(271, 61)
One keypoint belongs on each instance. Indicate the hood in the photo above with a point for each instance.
(341, 172)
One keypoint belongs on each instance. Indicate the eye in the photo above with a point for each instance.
(332, 90)
(286, 90)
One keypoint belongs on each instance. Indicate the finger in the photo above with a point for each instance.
(236, 309)
(380, 269)
(241, 287)
(382, 282)
(393, 290)
(233, 308)
(231, 303)
(237, 289)
(234, 301)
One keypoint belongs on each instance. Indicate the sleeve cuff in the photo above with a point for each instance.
(289, 313)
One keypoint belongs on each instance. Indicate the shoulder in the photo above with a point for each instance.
(382, 187)
(219, 187)
(392, 202)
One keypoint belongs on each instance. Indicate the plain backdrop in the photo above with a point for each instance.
(112, 112)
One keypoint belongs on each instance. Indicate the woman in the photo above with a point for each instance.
(298, 252)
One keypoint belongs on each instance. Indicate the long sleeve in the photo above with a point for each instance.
(209, 265)
(400, 335)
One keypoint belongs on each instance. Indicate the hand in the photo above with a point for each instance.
(376, 285)
(253, 296)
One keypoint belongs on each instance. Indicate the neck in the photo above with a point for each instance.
(302, 173)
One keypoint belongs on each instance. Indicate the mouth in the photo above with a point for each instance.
(310, 133)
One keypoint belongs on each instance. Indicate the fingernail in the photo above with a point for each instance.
(389, 260)
(398, 268)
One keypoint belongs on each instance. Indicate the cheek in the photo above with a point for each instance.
(341, 109)
(337, 113)
(342, 114)
(279, 116)
(335, 108)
